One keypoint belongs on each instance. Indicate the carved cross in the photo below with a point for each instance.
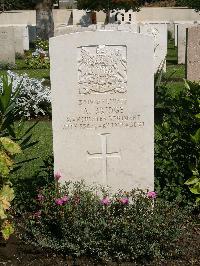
(104, 155)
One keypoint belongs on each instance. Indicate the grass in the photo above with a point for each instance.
(32, 73)
(43, 131)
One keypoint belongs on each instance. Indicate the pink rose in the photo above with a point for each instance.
(151, 195)
(124, 201)
(57, 175)
(105, 201)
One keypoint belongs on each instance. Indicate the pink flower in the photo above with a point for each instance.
(65, 199)
(105, 201)
(124, 201)
(151, 195)
(59, 202)
(57, 175)
(40, 197)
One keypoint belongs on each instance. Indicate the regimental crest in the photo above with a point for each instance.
(102, 69)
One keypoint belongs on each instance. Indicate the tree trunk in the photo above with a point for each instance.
(44, 19)
(107, 16)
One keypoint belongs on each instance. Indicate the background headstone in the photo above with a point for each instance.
(181, 40)
(72, 29)
(21, 39)
(102, 103)
(159, 33)
(193, 54)
(7, 49)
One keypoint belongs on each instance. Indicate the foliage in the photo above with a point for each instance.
(27, 188)
(106, 5)
(194, 181)
(40, 58)
(21, 4)
(42, 44)
(8, 149)
(5, 65)
(195, 4)
(34, 98)
(76, 220)
(174, 149)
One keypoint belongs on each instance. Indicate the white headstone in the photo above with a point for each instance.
(81, 17)
(7, 49)
(21, 38)
(159, 33)
(72, 29)
(193, 54)
(181, 44)
(103, 113)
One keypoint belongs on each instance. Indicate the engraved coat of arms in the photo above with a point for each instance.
(102, 69)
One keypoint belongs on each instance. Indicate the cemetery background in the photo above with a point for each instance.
(168, 93)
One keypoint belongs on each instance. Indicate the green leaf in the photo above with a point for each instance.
(195, 189)
(193, 180)
(7, 230)
(196, 138)
(197, 116)
(7, 193)
(10, 146)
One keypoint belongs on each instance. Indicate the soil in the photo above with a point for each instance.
(16, 253)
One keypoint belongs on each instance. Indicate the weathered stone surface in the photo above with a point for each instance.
(102, 100)
(21, 38)
(159, 33)
(181, 41)
(7, 49)
(193, 54)
(64, 29)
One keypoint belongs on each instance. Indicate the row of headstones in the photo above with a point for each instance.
(14, 40)
(187, 37)
(158, 31)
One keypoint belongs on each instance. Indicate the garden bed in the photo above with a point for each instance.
(16, 252)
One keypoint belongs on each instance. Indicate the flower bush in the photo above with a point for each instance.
(39, 59)
(77, 220)
(34, 99)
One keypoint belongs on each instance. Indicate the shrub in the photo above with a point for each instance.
(174, 149)
(77, 221)
(6, 66)
(39, 59)
(34, 98)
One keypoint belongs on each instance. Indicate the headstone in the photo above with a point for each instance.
(32, 33)
(26, 38)
(81, 17)
(193, 54)
(7, 50)
(72, 29)
(182, 42)
(129, 27)
(171, 29)
(21, 39)
(176, 35)
(159, 33)
(102, 103)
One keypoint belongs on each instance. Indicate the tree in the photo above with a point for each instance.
(195, 4)
(44, 14)
(109, 5)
